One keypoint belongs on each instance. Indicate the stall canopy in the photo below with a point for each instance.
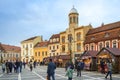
(89, 54)
(111, 51)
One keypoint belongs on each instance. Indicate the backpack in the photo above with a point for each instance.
(81, 65)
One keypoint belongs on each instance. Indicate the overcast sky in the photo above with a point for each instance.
(22, 19)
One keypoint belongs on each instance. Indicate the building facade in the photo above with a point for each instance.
(106, 41)
(9, 52)
(72, 39)
(54, 45)
(27, 48)
(41, 51)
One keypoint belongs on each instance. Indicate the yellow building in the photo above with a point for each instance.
(27, 47)
(72, 39)
(54, 45)
(41, 51)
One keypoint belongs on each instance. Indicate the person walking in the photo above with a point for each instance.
(109, 72)
(51, 70)
(7, 66)
(69, 73)
(17, 63)
(102, 65)
(31, 65)
(10, 66)
(3, 66)
(80, 67)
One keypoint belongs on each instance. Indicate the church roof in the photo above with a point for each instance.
(73, 10)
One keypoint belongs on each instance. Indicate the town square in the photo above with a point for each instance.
(59, 40)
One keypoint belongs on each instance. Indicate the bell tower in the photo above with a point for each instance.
(73, 18)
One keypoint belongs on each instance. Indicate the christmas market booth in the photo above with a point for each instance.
(89, 58)
(111, 54)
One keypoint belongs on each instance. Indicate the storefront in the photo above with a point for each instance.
(89, 58)
(111, 54)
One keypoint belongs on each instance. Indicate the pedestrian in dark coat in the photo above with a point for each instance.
(51, 70)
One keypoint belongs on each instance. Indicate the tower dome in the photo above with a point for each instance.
(73, 10)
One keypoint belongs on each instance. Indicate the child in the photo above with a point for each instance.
(69, 73)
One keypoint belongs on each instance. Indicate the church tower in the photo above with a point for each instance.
(73, 18)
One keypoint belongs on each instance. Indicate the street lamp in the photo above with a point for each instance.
(69, 45)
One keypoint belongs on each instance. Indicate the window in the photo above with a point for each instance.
(100, 46)
(78, 47)
(92, 38)
(74, 19)
(42, 53)
(63, 48)
(50, 47)
(78, 36)
(16, 55)
(57, 46)
(53, 54)
(53, 47)
(46, 53)
(114, 44)
(35, 53)
(70, 38)
(107, 44)
(38, 53)
(30, 45)
(106, 34)
(92, 47)
(63, 39)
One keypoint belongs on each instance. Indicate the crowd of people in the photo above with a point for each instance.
(16, 66)
(9, 65)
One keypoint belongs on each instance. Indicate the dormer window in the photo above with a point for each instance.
(107, 34)
(92, 38)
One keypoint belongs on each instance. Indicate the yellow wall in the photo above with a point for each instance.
(41, 50)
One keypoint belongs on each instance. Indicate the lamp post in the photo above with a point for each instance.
(70, 45)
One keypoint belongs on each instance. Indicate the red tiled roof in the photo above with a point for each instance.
(113, 51)
(99, 33)
(42, 44)
(104, 28)
(55, 36)
(8, 48)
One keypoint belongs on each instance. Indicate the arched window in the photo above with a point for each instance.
(100, 46)
(78, 36)
(74, 19)
(63, 39)
(63, 48)
(78, 47)
(114, 44)
(107, 45)
(92, 47)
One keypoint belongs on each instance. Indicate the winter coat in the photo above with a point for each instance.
(51, 68)
(69, 73)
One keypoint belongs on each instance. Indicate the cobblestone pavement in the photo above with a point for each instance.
(39, 73)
